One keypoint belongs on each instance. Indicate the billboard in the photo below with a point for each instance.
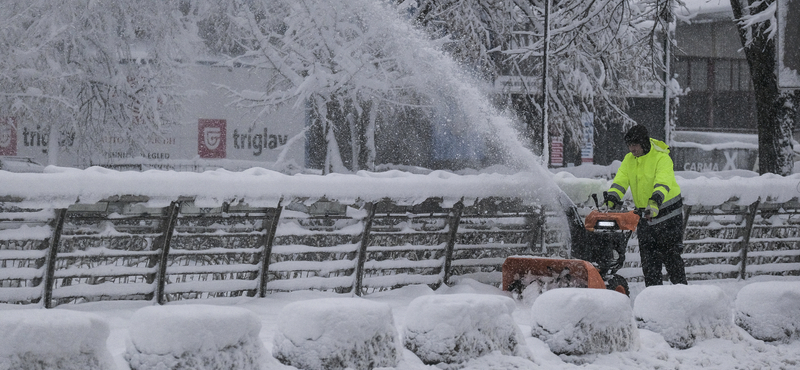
(211, 132)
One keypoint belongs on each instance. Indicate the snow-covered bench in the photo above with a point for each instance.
(199, 337)
(770, 311)
(337, 333)
(454, 328)
(579, 321)
(685, 314)
(53, 339)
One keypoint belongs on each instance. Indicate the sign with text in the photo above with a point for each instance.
(556, 151)
(211, 136)
(699, 160)
(8, 136)
(587, 150)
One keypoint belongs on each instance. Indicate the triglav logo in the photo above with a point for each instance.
(8, 136)
(211, 138)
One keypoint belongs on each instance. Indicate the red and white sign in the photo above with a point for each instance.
(556, 151)
(8, 136)
(211, 137)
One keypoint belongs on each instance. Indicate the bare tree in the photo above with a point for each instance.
(354, 65)
(775, 109)
(600, 52)
(90, 70)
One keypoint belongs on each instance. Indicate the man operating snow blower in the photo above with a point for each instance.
(648, 171)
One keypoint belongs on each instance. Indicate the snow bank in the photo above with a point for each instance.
(337, 333)
(194, 337)
(770, 311)
(685, 314)
(53, 339)
(454, 328)
(579, 321)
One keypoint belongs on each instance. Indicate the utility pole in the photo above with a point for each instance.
(666, 17)
(545, 96)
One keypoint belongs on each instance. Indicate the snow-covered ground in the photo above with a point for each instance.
(704, 316)
(734, 350)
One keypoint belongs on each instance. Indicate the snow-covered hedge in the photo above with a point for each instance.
(53, 340)
(685, 314)
(454, 328)
(770, 311)
(198, 337)
(337, 333)
(579, 321)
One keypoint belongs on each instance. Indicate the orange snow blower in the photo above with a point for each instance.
(598, 248)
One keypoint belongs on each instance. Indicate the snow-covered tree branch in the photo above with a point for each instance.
(88, 70)
(600, 51)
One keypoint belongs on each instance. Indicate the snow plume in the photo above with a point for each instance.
(310, 335)
(359, 64)
(198, 337)
(685, 314)
(575, 321)
(770, 311)
(53, 339)
(454, 328)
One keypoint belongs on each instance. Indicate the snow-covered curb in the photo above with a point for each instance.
(198, 337)
(770, 311)
(579, 321)
(53, 339)
(454, 328)
(337, 333)
(685, 314)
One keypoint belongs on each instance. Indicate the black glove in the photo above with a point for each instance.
(611, 200)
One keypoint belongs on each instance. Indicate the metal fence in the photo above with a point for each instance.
(735, 241)
(119, 249)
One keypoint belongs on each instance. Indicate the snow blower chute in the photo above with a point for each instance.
(598, 248)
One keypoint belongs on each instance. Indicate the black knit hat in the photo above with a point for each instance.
(638, 135)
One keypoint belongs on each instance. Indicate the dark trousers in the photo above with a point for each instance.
(661, 245)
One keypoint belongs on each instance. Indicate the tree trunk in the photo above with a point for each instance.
(53, 140)
(774, 110)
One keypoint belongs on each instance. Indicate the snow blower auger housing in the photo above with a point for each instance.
(598, 250)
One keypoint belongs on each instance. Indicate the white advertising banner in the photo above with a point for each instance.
(212, 132)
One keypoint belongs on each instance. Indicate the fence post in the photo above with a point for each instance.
(455, 220)
(168, 229)
(52, 253)
(687, 210)
(745, 243)
(362, 248)
(269, 238)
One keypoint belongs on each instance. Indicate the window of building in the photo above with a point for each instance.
(723, 73)
(698, 74)
(745, 83)
(680, 72)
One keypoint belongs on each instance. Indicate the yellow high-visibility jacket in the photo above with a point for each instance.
(650, 176)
